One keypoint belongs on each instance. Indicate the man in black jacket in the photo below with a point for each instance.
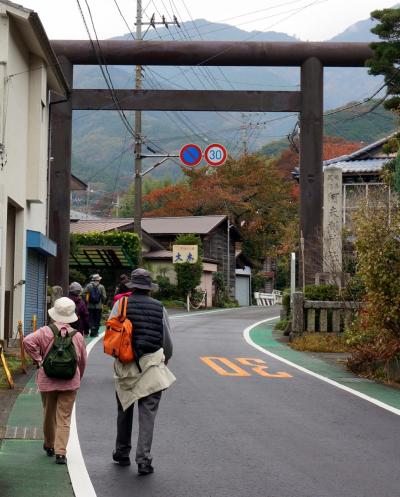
(144, 379)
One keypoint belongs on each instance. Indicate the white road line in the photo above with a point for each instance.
(202, 313)
(80, 479)
(246, 335)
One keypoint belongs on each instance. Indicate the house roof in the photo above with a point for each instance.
(200, 225)
(364, 153)
(158, 254)
(102, 224)
(367, 159)
(109, 224)
(35, 37)
(77, 184)
(360, 166)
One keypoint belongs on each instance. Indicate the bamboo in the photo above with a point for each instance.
(21, 339)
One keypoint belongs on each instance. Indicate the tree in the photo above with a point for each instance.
(259, 201)
(387, 53)
(127, 202)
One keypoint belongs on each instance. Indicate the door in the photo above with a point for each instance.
(35, 289)
(242, 291)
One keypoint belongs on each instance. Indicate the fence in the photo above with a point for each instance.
(268, 298)
(323, 316)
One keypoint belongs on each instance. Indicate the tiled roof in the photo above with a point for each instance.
(362, 151)
(102, 225)
(158, 254)
(200, 225)
(360, 166)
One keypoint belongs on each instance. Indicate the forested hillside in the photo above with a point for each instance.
(102, 150)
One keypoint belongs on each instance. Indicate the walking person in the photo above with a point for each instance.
(59, 375)
(95, 297)
(75, 294)
(144, 379)
(122, 290)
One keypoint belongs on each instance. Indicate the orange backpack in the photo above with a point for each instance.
(119, 335)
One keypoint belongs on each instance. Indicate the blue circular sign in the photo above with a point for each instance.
(190, 154)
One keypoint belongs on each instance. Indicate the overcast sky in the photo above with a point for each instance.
(307, 19)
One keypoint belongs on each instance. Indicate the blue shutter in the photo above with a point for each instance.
(35, 289)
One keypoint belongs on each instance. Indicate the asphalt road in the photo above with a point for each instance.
(226, 430)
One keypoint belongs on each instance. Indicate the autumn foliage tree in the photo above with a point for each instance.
(259, 201)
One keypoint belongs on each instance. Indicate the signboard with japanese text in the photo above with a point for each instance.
(184, 253)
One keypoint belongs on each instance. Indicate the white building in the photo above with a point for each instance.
(28, 71)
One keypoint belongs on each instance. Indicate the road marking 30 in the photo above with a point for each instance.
(226, 367)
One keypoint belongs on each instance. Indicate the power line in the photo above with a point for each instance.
(194, 28)
(212, 57)
(123, 18)
(100, 63)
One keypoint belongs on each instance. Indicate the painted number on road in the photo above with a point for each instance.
(226, 367)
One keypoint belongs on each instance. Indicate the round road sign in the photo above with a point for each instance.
(190, 155)
(215, 154)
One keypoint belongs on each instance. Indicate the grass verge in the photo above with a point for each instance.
(320, 342)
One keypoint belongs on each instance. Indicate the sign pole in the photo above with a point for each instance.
(292, 275)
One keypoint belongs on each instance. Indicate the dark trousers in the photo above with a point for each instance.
(94, 320)
(148, 407)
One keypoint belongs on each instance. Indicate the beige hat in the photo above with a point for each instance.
(63, 311)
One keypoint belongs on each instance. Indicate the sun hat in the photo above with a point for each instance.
(63, 311)
(75, 288)
(140, 278)
(95, 277)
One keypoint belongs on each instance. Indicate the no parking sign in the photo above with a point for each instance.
(215, 154)
(190, 155)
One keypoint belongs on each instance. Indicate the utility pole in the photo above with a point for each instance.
(244, 127)
(138, 122)
(138, 136)
(245, 136)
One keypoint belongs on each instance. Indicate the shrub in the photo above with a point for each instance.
(321, 292)
(166, 289)
(375, 334)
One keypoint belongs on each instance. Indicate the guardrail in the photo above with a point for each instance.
(275, 297)
(323, 316)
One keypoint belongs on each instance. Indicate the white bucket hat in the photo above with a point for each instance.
(63, 311)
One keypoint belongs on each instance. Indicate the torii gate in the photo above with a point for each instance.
(311, 57)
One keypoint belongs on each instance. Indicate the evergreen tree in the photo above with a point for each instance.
(386, 58)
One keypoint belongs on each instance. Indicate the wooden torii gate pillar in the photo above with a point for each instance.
(311, 57)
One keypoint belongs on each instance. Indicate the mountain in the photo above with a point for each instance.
(371, 125)
(99, 138)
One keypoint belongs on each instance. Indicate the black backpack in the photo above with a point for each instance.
(61, 361)
(94, 294)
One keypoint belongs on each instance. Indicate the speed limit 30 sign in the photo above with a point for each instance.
(215, 154)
